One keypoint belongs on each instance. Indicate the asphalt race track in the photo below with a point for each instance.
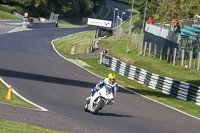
(29, 63)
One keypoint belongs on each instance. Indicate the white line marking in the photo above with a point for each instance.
(13, 30)
(42, 109)
(107, 13)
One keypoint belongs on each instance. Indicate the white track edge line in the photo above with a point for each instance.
(119, 85)
(15, 92)
(13, 30)
(107, 13)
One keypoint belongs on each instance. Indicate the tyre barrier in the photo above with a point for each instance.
(169, 86)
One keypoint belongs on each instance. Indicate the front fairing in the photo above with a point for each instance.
(101, 93)
(104, 94)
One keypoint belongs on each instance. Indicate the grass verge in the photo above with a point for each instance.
(78, 43)
(118, 50)
(14, 127)
(5, 15)
(20, 29)
(15, 99)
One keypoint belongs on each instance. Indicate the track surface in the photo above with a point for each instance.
(8, 25)
(30, 64)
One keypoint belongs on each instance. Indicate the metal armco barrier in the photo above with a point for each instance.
(169, 86)
(35, 25)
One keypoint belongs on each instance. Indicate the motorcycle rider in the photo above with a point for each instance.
(110, 80)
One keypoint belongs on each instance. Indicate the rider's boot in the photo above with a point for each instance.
(111, 102)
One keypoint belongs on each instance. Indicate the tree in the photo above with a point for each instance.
(40, 5)
(167, 10)
(86, 7)
(195, 7)
(71, 8)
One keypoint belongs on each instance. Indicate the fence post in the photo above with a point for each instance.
(168, 50)
(141, 45)
(138, 43)
(133, 37)
(161, 52)
(155, 50)
(145, 47)
(198, 62)
(149, 49)
(136, 40)
(182, 58)
(190, 60)
(120, 34)
(174, 59)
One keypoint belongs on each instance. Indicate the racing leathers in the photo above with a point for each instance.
(103, 82)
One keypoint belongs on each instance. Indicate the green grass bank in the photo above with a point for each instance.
(14, 127)
(5, 15)
(15, 99)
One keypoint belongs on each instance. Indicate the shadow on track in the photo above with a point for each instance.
(112, 114)
(50, 79)
(43, 78)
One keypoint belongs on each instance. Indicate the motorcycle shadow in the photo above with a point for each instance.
(112, 114)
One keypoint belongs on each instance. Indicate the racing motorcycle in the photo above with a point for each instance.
(100, 99)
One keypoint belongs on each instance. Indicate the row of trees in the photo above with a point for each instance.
(166, 10)
(70, 8)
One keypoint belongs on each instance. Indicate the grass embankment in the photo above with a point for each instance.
(5, 15)
(154, 65)
(15, 99)
(118, 49)
(76, 44)
(14, 127)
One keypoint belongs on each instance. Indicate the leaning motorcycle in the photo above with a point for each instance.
(100, 99)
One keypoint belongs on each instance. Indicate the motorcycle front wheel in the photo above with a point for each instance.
(97, 105)
(86, 108)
